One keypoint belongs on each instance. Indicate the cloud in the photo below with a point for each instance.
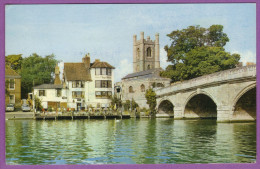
(125, 67)
(246, 56)
(163, 58)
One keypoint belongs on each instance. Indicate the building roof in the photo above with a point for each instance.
(10, 73)
(98, 64)
(151, 73)
(76, 71)
(48, 86)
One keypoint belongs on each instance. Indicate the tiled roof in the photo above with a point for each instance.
(11, 73)
(152, 73)
(76, 71)
(48, 86)
(98, 64)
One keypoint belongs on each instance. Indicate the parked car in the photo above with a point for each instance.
(9, 107)
(26, 107)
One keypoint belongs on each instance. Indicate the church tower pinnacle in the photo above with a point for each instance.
(146, 53)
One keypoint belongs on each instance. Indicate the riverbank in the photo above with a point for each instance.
(19, 115)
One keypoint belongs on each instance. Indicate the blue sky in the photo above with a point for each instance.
(106, 31)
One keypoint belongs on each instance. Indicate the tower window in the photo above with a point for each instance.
(131, 90)
(148, 52)
(142, 88)
(138, 54)
(148, 67)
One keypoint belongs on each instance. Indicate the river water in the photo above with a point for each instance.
(129, 141)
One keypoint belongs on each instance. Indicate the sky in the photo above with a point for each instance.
(106, 30)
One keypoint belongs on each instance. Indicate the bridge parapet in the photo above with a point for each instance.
(236, 74)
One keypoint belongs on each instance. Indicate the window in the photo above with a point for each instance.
(108, 71)
(98, 84)
(131, 90)
(58, 92)
(12, 99)
(109, 84)
(138, 54)
(148, 67)
(11, 84)
(74, 84)
(104, 71)
(78, 84)
(42, 93)
(142, 88)
(148, 52)
(109, 94)
(78, 94)
(98, 94)
(103, 94)
(103, 84)
(98, 71)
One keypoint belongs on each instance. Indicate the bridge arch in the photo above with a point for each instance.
(165, 107)
(200, 104)
(244, 104)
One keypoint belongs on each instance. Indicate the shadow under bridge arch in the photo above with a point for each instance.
(200, 106)
(165, 109)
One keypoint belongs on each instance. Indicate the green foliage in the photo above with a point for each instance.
(128, 104)
(150, 96)
(14, 61)
(197, 51)
(49, 109)
(37, 70)
(116, 101)
(38, 104)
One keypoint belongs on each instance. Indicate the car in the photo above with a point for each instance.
(9, 107)
(26, 107)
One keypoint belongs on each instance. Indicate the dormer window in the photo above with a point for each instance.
(78, 84)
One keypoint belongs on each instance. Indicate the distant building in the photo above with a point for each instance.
(14, 87)
(250, 63)
(84, 85)
(146, 66)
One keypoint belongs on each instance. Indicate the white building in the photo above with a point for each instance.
(84, 85)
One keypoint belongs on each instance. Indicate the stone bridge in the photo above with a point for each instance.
(228, 95)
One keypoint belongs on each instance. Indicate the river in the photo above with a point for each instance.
(129, 141)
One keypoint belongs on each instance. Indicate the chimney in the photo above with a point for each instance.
(57, 80)
(86, 61)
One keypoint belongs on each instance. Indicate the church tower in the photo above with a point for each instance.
(146, 53)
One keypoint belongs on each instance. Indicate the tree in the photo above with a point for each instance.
(197, 51)
(130, 104)
(150, 96)
(36, 70)
(14, 61)
(116, 101)
(38, 104)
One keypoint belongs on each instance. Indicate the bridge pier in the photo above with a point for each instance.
(224, 114)
(178, 113)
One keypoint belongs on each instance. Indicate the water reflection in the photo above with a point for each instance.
(133, 141)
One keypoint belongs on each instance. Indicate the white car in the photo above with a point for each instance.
(25, 107)
(10, 107)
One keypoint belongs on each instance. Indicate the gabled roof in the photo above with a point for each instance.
(151, 73)
(48, 86)
(76, 71)
(98, 64)
(10, 73)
